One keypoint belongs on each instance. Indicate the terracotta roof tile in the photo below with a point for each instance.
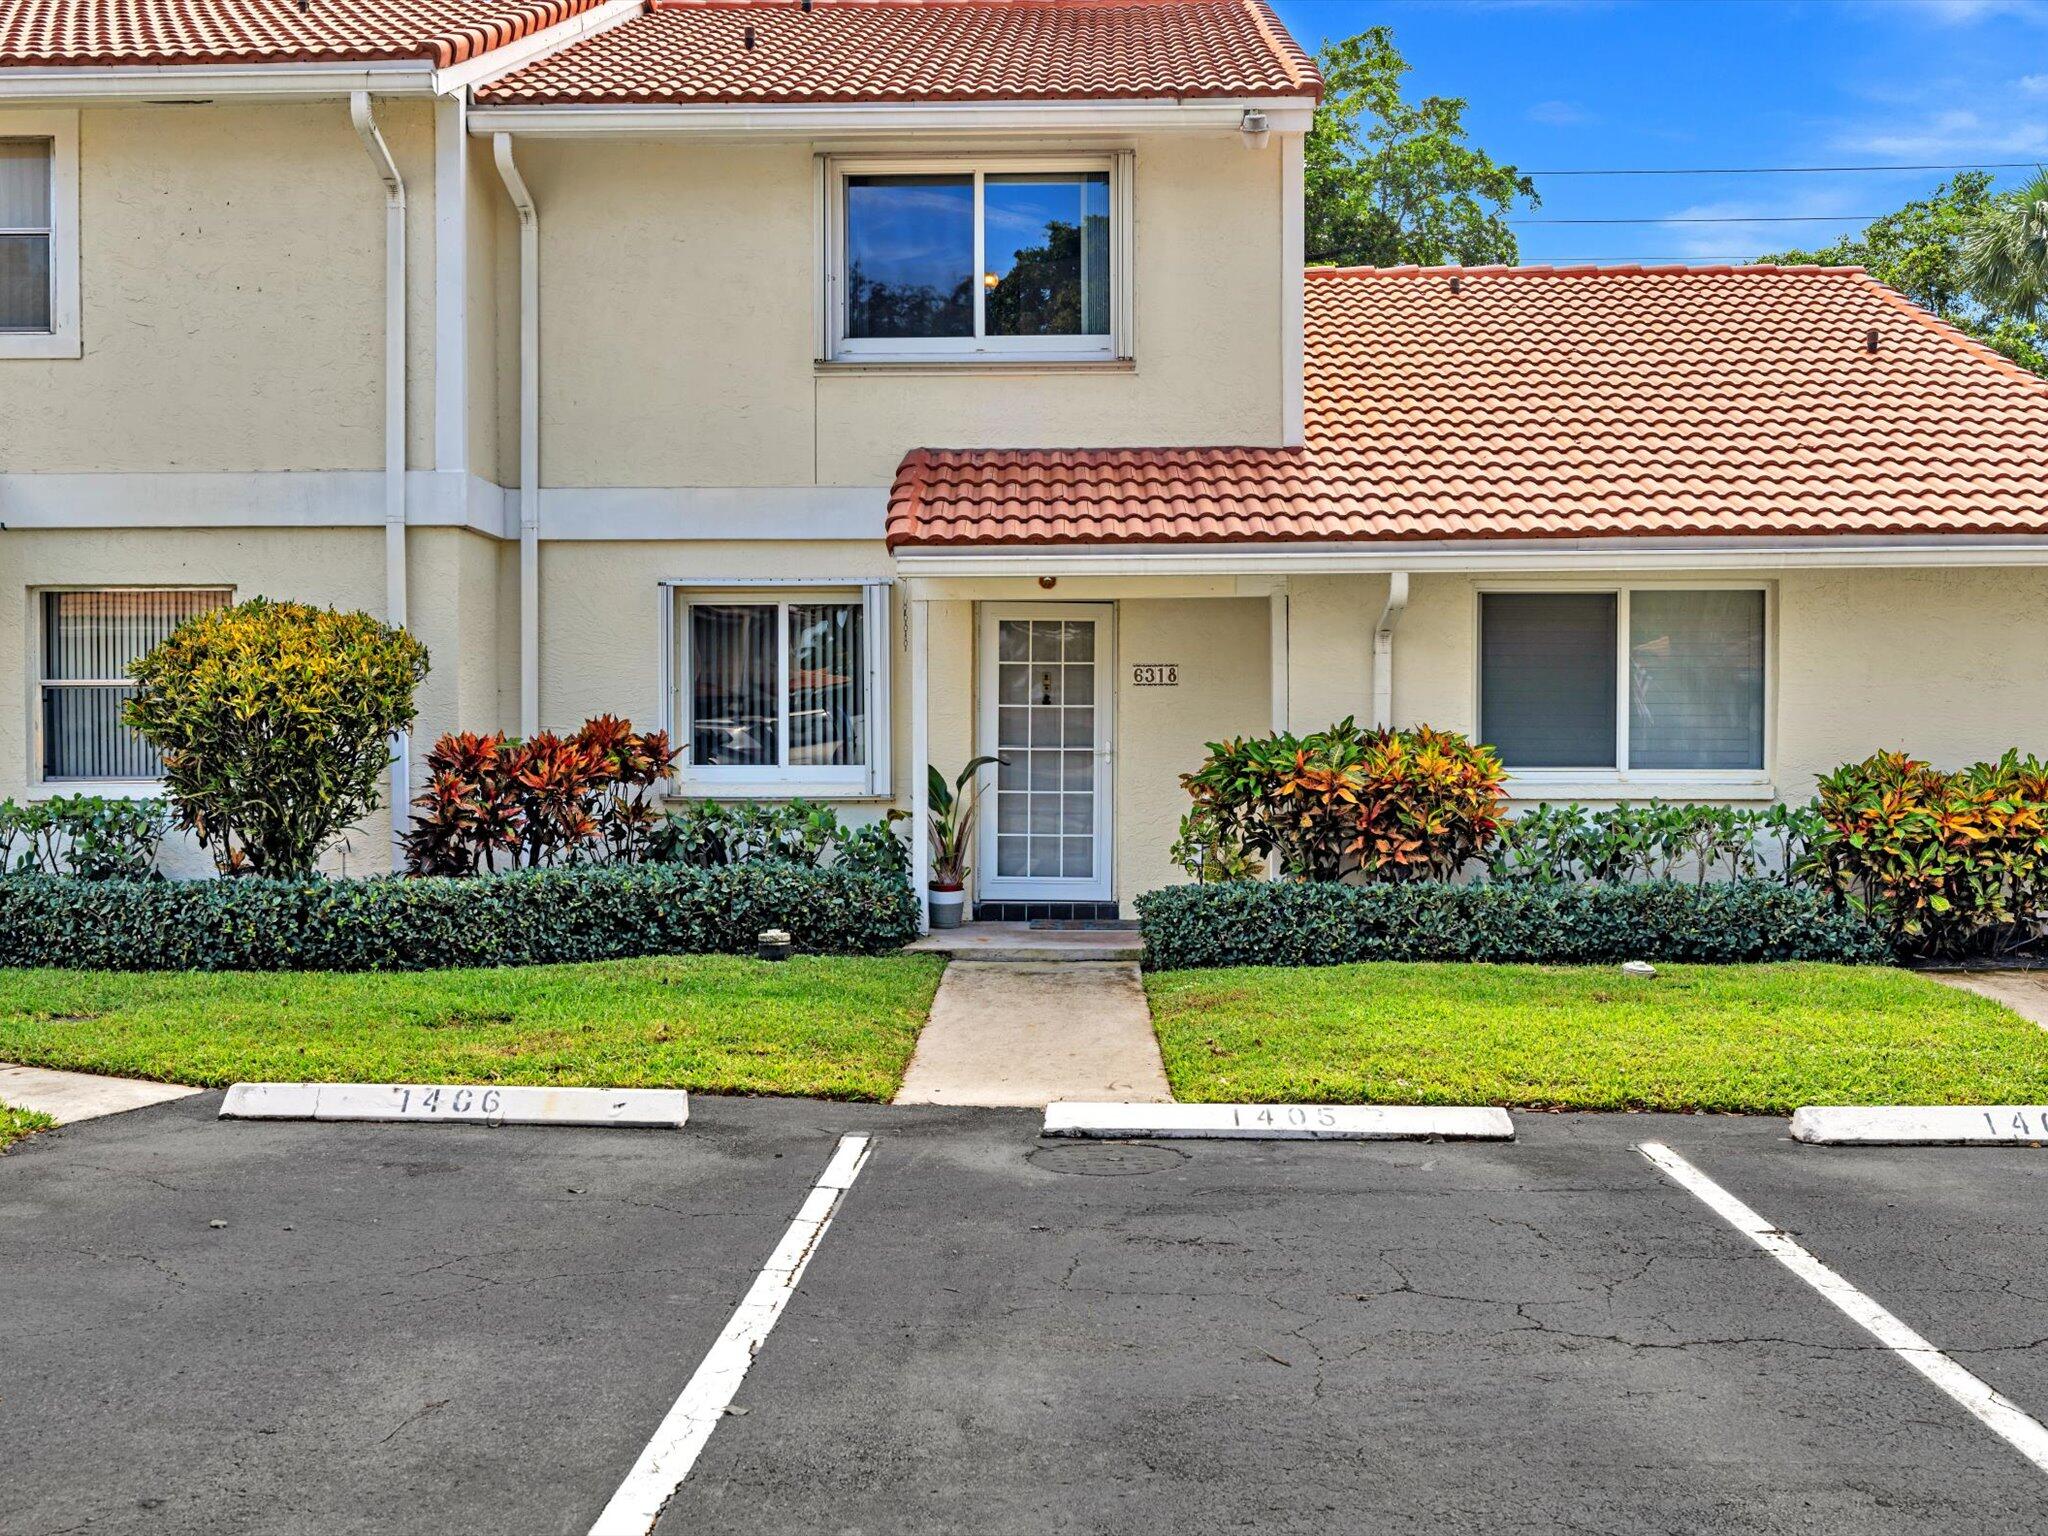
(695, 52)
(1553, 403)
(48, 33)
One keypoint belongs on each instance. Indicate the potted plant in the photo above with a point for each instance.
(952, 829)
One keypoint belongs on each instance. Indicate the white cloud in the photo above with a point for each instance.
(1965, 12)
(1560, 114)
(1817, 210)
(2034, 85)
(1952, 133)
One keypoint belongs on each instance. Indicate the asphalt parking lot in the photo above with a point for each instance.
(435, 1329)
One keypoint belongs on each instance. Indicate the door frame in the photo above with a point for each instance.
(988, 885)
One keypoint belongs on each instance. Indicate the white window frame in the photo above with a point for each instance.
(836, 346)
(866, 781)
(1621, 782)
(39, 683)
(63, 338)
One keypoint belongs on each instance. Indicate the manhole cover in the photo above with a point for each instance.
(1105, 1159)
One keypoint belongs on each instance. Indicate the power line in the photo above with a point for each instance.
(1760, 218)
(1785, 170)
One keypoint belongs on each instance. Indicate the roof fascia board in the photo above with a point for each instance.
(1584, 557)
(527, 50)
(1285, 114)
(188, 82)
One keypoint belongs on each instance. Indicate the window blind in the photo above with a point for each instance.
(90, 639)
(1547, 678)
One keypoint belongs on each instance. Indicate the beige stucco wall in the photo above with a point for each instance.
(1220, 647)
(677, 292)
(231, 296)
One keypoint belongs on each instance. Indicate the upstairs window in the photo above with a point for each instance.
(26, 234)
(934, 261)
(38, 234)
(1639, 682)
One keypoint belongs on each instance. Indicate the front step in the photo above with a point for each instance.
(1029, 944)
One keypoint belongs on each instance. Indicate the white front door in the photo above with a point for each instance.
(1046, 672)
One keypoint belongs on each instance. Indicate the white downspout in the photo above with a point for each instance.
(1383, 650)
(394, 431)
(529, 434)
(920, 759)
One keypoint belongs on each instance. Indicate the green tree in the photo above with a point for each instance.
(275, 722)
(1927, 251)
(1391, 182)
(2008, 252)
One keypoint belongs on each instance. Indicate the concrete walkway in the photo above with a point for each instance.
(2024, 992)
(69, 1096)
(1026, 1035)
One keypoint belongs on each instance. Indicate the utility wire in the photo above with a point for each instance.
(1760, 218)
(1785, 170)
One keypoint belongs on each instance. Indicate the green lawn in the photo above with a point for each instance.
(1756, 1039)
(17, 1123)
(824, 1027)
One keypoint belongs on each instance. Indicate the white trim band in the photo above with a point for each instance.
(1280, 1122)
(846, 120)
(1603, 556)
(1923, 1125)
(459, 1104)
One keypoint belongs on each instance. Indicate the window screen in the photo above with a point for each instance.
(1547, 678)
(25, 232)
(1696, 679)
(89, 641)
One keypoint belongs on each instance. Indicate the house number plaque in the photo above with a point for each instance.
(1155, 674)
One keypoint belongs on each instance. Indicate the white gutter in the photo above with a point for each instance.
(394, 430)
(144, 83)
(1284, 115)
(529, 434)
(1489, 556)
(1383, 650)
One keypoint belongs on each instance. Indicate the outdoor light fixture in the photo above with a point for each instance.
(1255, 129)
(989, 281)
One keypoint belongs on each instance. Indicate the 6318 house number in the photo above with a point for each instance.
(1155, 674)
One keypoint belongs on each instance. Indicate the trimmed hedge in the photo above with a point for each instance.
(1289, 923)
(534, 917)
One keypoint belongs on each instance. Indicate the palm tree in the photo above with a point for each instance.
(2008, 254)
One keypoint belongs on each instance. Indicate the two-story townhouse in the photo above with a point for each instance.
(856, 384)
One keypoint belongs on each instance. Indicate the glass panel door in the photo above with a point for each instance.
(1045, 715)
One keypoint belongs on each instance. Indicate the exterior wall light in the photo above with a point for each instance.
(1255, 129)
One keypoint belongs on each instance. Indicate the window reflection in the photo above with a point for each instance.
(1046, 244)
(910, 256)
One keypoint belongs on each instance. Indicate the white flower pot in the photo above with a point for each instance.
(946, 907)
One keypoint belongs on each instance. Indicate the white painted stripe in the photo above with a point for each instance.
(1281, 1122)
(459, 1104)
(2000, 1413)
(1923, 1125)
(666, 1462)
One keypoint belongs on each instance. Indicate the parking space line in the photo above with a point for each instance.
(666, 1462)
(1997, 1411)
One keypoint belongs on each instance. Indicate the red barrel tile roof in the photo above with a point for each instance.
(695, 52)
(1524, 403)
(49, 33)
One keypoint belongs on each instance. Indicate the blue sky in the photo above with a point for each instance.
(1567, 84)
